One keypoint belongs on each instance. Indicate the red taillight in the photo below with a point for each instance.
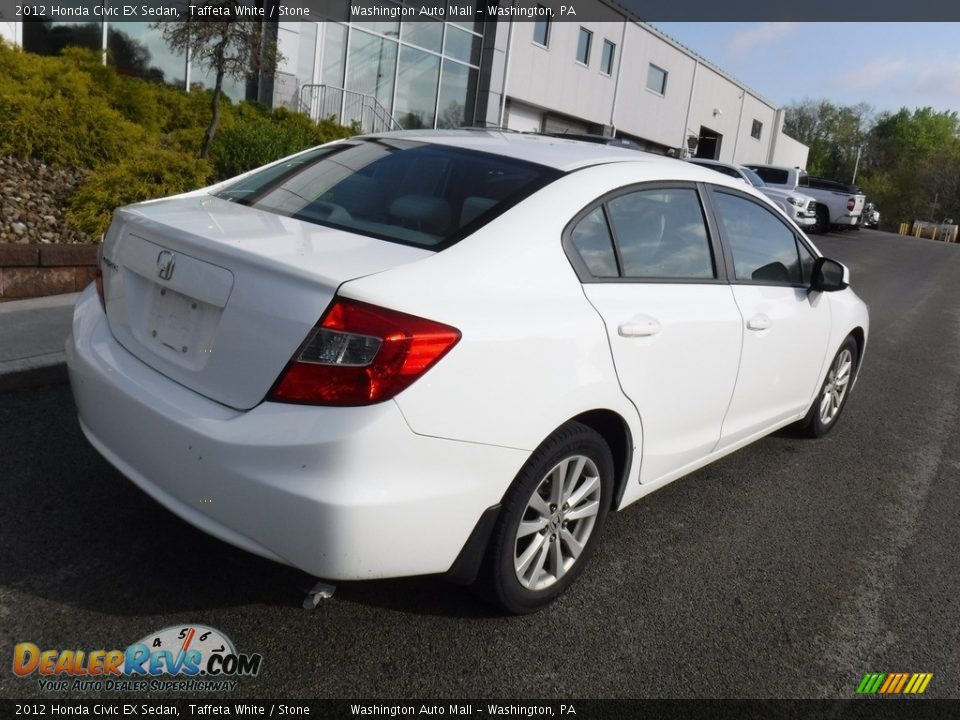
(359, 354)
(851, 204)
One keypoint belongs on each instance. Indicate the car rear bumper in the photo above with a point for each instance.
(847, 220)
(342, 493)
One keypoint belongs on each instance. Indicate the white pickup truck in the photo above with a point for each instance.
(837, 203)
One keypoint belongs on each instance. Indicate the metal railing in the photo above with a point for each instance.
(346, 107)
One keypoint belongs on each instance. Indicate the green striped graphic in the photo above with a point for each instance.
(871, 683)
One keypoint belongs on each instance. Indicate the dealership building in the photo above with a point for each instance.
(612, 74)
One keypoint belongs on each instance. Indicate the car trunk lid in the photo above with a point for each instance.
(218, 296)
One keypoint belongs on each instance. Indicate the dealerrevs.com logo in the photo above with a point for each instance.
(187, 658)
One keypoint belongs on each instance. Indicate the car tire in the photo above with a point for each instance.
(552, 521)
(834, 392)
(823, 221)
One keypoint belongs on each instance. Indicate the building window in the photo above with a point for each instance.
(418, 77)
(657, 80)
(541, 29)
(606, 60)
(756, 130)
(583, 46)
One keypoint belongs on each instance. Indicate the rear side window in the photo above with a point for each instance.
(662, 234)
(764, 249)
(592, 241)
(409, 192)
(653, 234)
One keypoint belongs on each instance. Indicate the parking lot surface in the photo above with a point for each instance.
(789, 569)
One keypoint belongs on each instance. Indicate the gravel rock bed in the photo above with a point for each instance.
(33, 202)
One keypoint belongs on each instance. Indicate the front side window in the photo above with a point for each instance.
(583, 46)
(806, 262)
(541, 29)
(764, 249)
(662, 234)
(657, 80)
(409, 192)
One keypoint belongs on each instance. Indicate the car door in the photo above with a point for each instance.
(786, 327)
(651, 267)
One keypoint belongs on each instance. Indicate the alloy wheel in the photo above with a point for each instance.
(835, 389)
(557, 522)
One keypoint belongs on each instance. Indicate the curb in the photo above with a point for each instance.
(49, 369)
(32, 337)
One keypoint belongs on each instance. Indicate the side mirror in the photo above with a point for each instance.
(829, 275)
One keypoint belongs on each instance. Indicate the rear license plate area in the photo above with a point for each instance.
(180, 327)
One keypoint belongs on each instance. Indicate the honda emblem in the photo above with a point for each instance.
(166, 261)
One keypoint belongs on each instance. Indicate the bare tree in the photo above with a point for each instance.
(224, 44)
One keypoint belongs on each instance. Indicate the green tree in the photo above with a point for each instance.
(914, 165)
(835, 134)
(226, 46)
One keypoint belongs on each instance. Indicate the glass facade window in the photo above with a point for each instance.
(371, 67)
(202, 76)
(334, 54)
(584, 41)
(756, 130)
(50, 38)
(462, 45)
(427, 34)
(606, 60)
(424, 73)
(418, 75)
(541, 30)
(307, 52)
(458, 93)
(390, 28)
(139, 51)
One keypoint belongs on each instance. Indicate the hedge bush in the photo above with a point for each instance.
(256, 138)
(147, 174)
(140, 139)
(52, 109)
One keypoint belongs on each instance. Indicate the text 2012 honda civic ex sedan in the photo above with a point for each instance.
(451, 352)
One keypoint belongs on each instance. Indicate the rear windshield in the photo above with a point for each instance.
(752, 176)
(774, 176)
(404, 191)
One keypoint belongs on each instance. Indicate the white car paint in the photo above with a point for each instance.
(395, 488)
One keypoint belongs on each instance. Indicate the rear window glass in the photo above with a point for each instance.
(752, 176)
(774, 176)
(409, 192)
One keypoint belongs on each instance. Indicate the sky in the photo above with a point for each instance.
(888, 65)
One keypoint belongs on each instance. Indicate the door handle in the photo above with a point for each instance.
(759, 322)
(639, 326)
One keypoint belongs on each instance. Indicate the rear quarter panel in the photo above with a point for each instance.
(534, 352)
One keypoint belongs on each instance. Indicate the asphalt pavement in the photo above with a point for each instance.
(789, 569)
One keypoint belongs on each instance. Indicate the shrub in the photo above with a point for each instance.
(258, 136)
(149, 173)
(141, 139)
(52, 109)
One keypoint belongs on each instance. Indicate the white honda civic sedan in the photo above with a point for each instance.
(451, 351)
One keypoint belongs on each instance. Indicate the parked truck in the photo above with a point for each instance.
(838, 204)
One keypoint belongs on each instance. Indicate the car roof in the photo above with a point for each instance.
(560, 153)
